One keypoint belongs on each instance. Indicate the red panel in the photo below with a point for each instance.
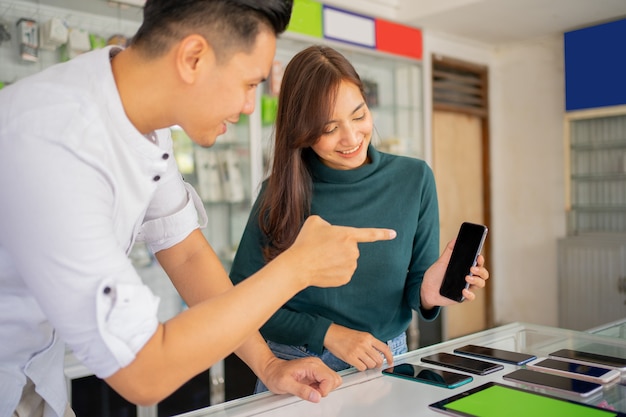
(398, 39)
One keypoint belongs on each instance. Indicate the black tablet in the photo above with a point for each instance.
(496, 400)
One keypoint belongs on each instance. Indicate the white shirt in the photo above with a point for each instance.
(78, 185)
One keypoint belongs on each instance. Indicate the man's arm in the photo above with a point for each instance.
(198, 275)
(211, 329)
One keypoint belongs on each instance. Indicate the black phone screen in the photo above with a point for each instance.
(501, 355)
(576, 368)
(468, 245)
(588, 357)
(462, 363)
(428, 375)
(562, 383)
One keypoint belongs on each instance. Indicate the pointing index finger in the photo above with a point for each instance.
(371, 234)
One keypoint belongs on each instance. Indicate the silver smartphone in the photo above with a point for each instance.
(553, 382)
(569, 369)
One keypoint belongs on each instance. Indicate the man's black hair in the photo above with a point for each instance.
(227, 25)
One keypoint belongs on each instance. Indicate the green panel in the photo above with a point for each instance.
(498, 401)
(306, 18)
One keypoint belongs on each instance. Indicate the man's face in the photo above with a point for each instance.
(227, 90)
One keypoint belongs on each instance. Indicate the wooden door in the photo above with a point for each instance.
(457, 165)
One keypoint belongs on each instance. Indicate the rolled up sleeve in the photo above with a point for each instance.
(127, 318)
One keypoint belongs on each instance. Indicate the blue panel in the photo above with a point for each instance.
(595, 66)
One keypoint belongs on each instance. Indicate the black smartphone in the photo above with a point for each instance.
(426, 375)
(461, 363)
(469, 243)
(576, 370)
(587, 358)
(557, 383)
(499, 355)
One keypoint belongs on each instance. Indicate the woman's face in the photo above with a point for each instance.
(343, 145)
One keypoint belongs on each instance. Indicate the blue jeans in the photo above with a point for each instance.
(397, 345)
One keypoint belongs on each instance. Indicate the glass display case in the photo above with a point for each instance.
(614, 329)
(370, 393)
(223, 179)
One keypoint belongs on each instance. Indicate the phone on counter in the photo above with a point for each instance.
(553, 382)
(462, 363)
(499, 355)
(587, 358)
(576, 370)
(467, 247)
(431, 376)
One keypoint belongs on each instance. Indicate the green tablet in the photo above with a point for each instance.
(496, 400)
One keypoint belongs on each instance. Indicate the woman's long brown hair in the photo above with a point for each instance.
(307, 96)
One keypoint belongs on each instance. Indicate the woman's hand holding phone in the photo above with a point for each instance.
(434, 277)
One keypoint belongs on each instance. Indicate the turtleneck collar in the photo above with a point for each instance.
(324, 173)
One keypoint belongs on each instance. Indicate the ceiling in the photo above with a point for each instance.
(493, 22)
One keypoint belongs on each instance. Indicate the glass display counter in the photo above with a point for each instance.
(614, 329)
(370, 393)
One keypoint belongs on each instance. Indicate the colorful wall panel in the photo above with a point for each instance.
(398, 39)
(595, 66)
(317, 20)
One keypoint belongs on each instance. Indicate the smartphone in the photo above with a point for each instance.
(499, 355)
(467, 247)
(461, 363)
(576, 370)
(553, 382)
(586, 358)
(426, 375)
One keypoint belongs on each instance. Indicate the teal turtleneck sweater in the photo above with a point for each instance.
(391, 192)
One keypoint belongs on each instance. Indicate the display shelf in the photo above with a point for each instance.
(596, 171)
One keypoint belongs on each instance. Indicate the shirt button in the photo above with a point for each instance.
(156, 178)
(165, 156)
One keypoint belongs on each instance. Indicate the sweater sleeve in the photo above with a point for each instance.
(425, 244)
(286, 326)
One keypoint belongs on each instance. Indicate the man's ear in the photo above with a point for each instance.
(193, 56)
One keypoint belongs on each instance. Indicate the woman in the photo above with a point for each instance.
(324, 164)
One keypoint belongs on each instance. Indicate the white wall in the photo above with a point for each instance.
(527, 164)
(526, 82)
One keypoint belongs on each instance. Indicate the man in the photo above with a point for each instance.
(86, 169)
